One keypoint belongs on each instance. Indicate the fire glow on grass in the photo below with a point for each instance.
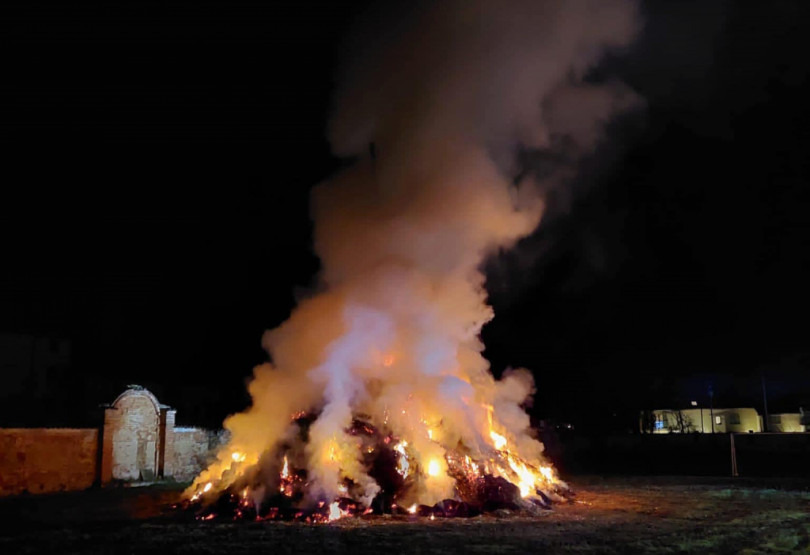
(378, 397)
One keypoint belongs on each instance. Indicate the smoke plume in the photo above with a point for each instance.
(446, 93)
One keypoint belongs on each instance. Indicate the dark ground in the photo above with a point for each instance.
(654, 515)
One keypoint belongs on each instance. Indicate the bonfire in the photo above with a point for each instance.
(377, 397)
(501, 481)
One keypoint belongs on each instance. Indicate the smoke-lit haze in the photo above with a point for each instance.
(447, 92)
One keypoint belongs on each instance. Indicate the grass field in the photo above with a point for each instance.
(620, 515)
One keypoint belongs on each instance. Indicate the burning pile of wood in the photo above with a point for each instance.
(480, 487)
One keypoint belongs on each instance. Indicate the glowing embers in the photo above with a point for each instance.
(245, 507)
(476, 492)
(253, 500)
(406, 473)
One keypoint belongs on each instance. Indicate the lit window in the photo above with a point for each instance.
(718, 420)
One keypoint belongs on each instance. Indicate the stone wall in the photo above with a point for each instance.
(40, 460)
(191, 452)
(139, 442)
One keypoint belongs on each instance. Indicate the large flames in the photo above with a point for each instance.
(441, 480)
(378, 397)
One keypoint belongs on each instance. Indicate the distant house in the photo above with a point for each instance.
(705, 420)
(786, 422)
(721, 420)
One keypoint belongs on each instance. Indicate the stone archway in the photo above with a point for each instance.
(132, 445)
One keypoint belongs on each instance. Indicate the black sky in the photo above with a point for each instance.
(154, 208)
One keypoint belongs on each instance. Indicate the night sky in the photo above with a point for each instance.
(158, 161)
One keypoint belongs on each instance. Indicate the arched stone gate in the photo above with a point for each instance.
(134, 442)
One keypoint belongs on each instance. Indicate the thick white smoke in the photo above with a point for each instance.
(446, 92)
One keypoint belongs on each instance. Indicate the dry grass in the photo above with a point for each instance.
(652, 515)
